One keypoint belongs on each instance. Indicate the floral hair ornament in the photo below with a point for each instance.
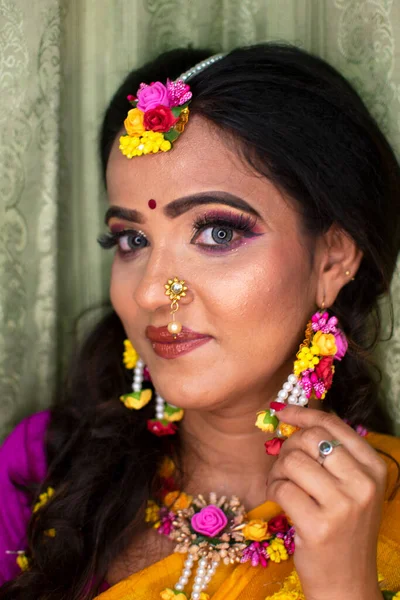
(312, 375)
(159, 114)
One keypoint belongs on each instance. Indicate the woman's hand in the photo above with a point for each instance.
(335, 507)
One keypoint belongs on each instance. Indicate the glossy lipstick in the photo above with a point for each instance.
(168, 346)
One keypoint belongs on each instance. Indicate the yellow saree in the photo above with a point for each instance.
(244, 582)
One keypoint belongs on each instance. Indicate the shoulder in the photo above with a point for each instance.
(385, 443)
(22, 453)
(388, 447)
(22, 460)
(389, 535)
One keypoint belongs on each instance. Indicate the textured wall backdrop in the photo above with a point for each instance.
(60, 61)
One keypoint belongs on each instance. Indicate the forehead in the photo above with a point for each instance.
(198, 161)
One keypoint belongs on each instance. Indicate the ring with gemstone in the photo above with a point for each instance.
(325, 448)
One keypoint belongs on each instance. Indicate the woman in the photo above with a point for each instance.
(247, 199)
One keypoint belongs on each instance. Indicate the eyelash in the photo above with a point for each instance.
(243, 224)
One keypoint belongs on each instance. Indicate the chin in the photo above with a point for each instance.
(188, 393)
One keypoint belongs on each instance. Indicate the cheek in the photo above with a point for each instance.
(262, 290)
(121, 292)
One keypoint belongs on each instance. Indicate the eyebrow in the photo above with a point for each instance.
(178, 207)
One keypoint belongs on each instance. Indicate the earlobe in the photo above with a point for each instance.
(339, 263)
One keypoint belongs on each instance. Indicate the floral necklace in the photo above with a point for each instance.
(213, 531)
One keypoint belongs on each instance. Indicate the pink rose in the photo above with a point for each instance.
(341, 345)
(150, 96)
(210, 521)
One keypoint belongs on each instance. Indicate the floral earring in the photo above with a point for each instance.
(166, 414)
(312, 375)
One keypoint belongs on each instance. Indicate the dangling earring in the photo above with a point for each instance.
(312, 375)
(166, 414)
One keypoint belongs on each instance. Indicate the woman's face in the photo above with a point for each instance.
(251, 282)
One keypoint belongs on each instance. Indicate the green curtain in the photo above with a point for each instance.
(60, 61)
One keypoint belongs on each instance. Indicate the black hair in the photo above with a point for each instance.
(299, 123)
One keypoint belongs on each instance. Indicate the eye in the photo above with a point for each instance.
(220, 234)
(127, 241)
(132, 241)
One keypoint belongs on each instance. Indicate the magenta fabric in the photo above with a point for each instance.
(22, 457)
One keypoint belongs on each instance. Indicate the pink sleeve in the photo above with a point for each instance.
(22, 457)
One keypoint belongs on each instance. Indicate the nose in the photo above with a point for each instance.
(151, 293)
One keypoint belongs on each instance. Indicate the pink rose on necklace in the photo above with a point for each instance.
(150, 96)
(210, 521)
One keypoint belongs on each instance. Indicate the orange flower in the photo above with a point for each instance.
(177, 500)
(287, 430)
(183, 119)
(167, 468)
(256, 530)
(326, 343)
(134, 122)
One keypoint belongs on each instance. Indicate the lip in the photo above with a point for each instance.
(168, 346)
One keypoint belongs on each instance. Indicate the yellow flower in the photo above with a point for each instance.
(204, 596)
(266, 422)
(23, 562)
(43, 499)
(134, 122)
(167, 468)
(152, 512)
(130, 355)
(256, 530)
(277, 551)
(174, 416)
(150, 142)
(136, 400)
(397, 595)
(177, 500)
(307, 358)
(326, 343)
(169, 594)
(50, 532)
(291, 589)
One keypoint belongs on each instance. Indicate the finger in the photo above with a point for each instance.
(300, 468)
(356, 445)
(296, 503)
(347, 475)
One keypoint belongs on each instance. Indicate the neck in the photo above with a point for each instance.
(225, 453)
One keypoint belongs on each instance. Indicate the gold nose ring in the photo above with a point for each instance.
(176, 289)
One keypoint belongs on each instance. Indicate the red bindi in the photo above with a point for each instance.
(152, 204)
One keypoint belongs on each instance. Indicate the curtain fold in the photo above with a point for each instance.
(60, 62)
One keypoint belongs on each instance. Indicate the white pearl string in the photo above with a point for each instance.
(292, 392)
(138, 376)
(201, 66)
(204, 573)
(160, 405)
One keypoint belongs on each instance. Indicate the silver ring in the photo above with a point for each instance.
(325, 448)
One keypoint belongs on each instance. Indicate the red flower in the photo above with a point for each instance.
(324, 371)
(273, 447)
(159, 118)
(277, 406)
(161, 428)
(278, 524)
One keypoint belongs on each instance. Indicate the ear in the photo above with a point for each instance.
(339, 260)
